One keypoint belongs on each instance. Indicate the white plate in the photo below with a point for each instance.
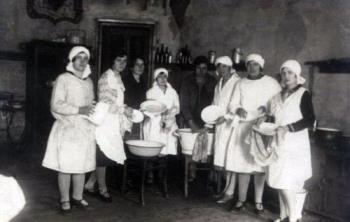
(153, 106)
(211, 113)
(268, 129)
(101, 111)
(137, 116)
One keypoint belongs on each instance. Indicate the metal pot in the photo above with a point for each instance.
(329, 138)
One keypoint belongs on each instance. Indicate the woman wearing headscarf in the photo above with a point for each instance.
(109, 134)
(293, 111)
(249, 100)
(161, 128)
(71, 145)
(222, 97)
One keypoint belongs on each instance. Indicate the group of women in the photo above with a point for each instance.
(71, 148)
(248, 102)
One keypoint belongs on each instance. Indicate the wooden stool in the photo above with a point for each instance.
(199, 167)
(145, 164)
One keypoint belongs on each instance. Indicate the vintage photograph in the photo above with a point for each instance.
(174, 111)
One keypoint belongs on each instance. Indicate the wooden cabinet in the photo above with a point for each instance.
(45, 61)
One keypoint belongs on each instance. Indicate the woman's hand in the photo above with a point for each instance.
(87, 110)
(220, 120)
(128, 111)
(193, 126)
(260, 120)
(282, 129)
(262, 110)
(241, 113)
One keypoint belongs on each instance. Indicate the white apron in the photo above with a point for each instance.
(71, 146)
(293, 166)
(222, 97)
(109, 135)
(249, 95)
(152, 127)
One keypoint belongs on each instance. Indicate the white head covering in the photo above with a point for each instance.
(225, 60)
(159, 71)
(295, 67)
(256, 58)
(74, 52)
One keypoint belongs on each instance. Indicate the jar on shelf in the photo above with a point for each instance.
(76, 36)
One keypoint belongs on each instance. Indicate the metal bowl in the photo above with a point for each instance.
(144, 148)
(188, 139)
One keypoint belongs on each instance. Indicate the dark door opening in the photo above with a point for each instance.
(135, 38)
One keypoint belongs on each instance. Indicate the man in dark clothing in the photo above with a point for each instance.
(197, 92)
(135, 86)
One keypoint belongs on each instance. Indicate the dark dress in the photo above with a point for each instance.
(134, 95)
(193, 99)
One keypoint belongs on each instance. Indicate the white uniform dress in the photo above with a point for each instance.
(152, 128)
(249, 94)
(71, 146)
(109, 135)
(222, 98)
(293, 166)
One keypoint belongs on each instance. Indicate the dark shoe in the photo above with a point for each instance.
(65, 207)
(259, 208)
(226, 198)
(240, 205)
(105, 197)
(81, 204)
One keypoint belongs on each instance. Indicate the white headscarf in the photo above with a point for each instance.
(225, 60)
(74, 52)
(159, 71)
(256, 58)
(295, 67)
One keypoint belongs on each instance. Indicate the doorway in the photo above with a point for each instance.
(133, 37)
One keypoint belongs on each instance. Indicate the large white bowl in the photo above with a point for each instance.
(144, 148)
(188, 139)
(267, 129)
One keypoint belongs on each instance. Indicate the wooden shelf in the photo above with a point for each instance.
(190, 67)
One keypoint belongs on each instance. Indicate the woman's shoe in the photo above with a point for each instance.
(226, 198)
(65, 207)
(81, 204)
(259, 208)
(240, 205)
(105, 197)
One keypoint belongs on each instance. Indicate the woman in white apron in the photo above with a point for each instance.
(293, 111)
(161, 128)
(71, 145)
(249, 100)
(109, 134)
(222, 97)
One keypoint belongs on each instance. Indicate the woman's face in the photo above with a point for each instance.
(223, 69)
(120, 63)
(80, 62)
(253, 68)
(139, 67)
(162, 79)
(288, 77)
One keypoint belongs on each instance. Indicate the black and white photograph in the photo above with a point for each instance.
(174, 110)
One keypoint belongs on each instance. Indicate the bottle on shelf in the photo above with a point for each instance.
(162, 54)
(170, 58)
(157, 56)
(166, 56)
